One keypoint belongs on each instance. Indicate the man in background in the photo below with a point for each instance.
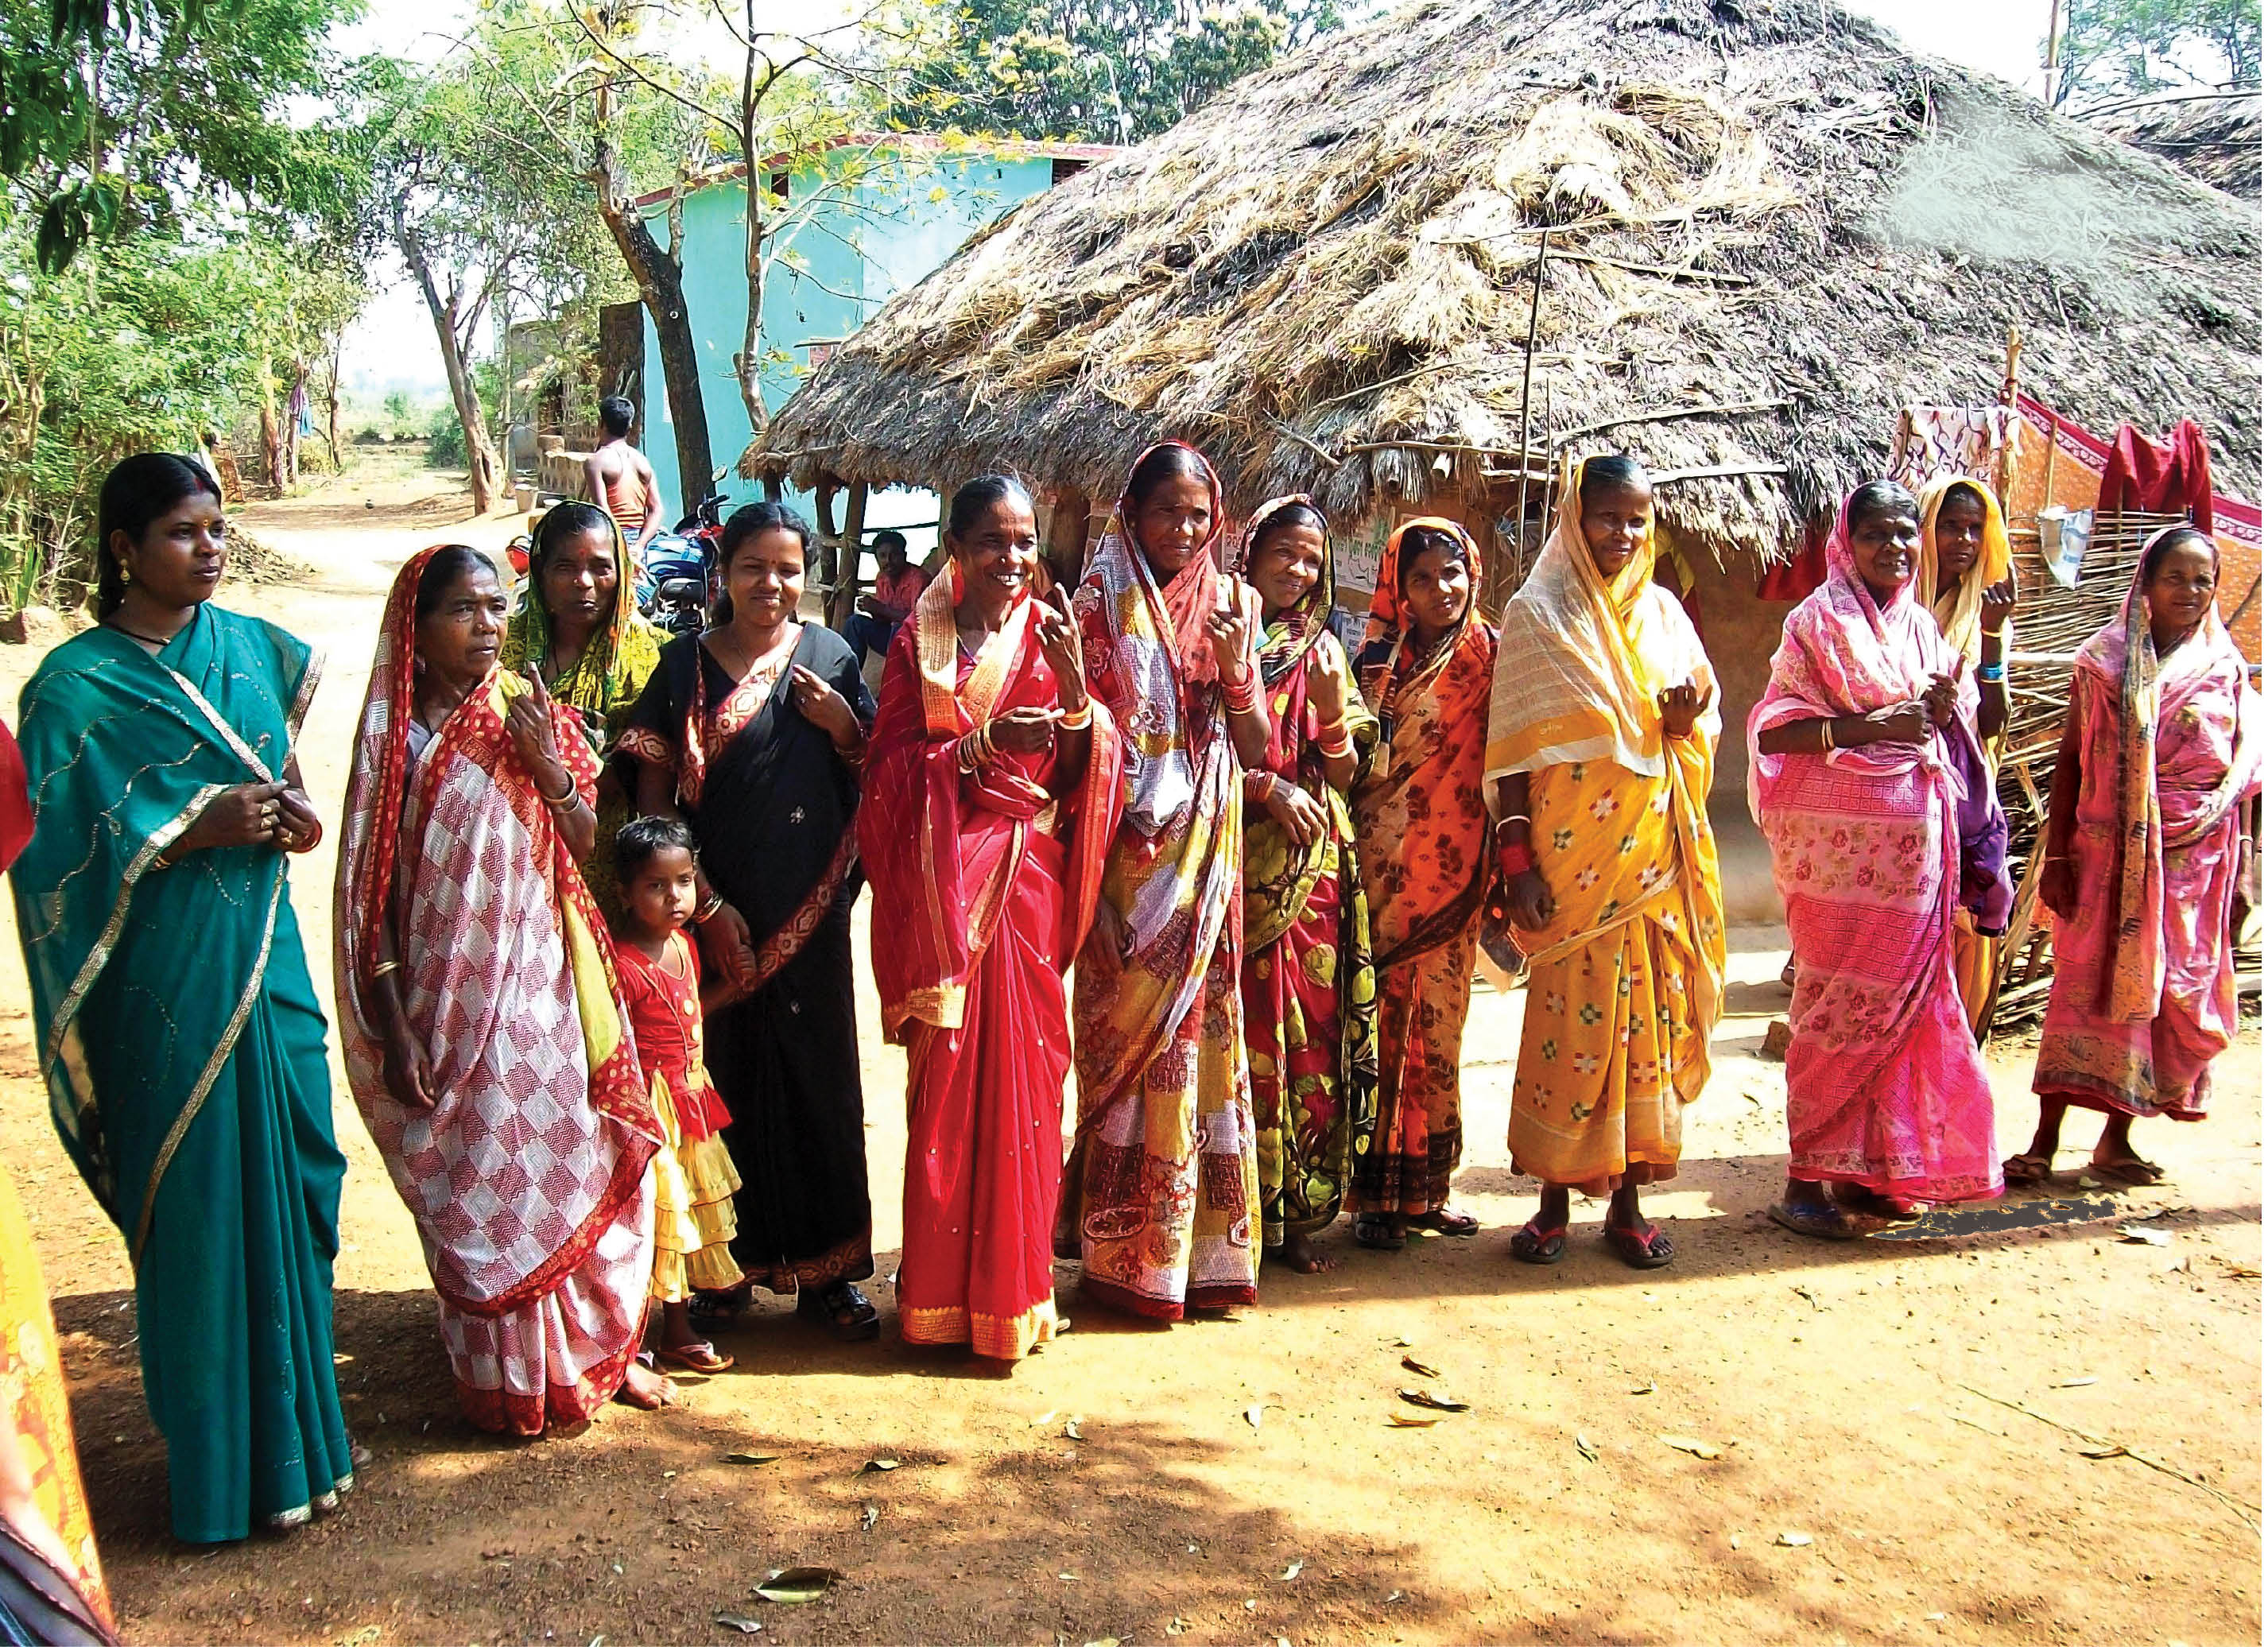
(897, 584)
(619, 480)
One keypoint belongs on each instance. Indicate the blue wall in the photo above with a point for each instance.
(860, 248)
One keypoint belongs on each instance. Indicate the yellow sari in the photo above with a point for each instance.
(33, 1401)
(1625, 982)
(1959, 613)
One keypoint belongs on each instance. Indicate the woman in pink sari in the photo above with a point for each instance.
(2148, 845)
(992, 784)
(1860, 767)
(487, 1041)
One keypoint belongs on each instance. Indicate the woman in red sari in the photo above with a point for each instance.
(992, 787)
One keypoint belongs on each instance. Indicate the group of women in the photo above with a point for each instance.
(1159, 834)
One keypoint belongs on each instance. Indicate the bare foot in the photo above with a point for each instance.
(646, 1389)
(1299, 1255)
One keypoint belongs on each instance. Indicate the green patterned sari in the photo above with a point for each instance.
(182, 1046)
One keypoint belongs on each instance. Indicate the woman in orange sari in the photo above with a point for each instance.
(992, 782)
(1421, 832)
(1164, 1198)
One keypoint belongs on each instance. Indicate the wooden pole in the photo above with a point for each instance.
(845, 592)
(1526, 381)
(2054, 17)
(2007, 475)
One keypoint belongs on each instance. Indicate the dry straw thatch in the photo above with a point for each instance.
(2215, 139)
(1765, 207)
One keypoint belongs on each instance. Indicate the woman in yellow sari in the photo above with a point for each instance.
(1603, 739)
(1966, 573)
(579, 626)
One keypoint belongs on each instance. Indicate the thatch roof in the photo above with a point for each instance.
(1324, 277)
(2215, 139)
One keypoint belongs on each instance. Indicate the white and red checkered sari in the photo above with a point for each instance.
(528, 1180)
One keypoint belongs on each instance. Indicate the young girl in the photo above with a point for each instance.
(1421, 828)
(694, 1180)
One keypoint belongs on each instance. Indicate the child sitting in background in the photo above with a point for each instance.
(694, 1180)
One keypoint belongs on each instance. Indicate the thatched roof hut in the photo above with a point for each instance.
(2215, 137)
(1771, 226)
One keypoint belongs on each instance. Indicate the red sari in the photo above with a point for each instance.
(984, 886)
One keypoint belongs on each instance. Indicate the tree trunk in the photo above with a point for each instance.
(331, 408)
(660, 282)
(464, 394)
(271, 435)
(291, 424)
(841, 597)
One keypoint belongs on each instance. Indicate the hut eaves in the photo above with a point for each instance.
(1772, 227)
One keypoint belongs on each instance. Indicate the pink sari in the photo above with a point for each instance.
(984, 886)
(1884, 1086)
(2145, 993)
(528, 1178)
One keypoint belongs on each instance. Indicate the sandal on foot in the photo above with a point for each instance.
(1379, 1232)
(844, 1308)
(2128, 1169)
(1441, 1221)
(1873, 1203)
(1641, 1249)
(1533, 1245)
(694, 1357)
(2027, 1168)
(709, 1310)
(1825, 1224)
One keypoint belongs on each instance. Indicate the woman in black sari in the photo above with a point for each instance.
(755, 733)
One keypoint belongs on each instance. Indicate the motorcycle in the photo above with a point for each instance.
(676, 576)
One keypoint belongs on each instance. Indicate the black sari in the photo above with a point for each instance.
(773, 808)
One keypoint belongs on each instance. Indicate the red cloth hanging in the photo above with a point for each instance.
(1793, 580)
(15, 799)
(2176, 478)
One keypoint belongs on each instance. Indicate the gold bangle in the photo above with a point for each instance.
(701, 916)
(1826, 734)
(1079, 722)
(384, 968)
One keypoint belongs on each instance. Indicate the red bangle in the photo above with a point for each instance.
(1515, 857)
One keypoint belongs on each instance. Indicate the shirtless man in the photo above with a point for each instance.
(619, 480)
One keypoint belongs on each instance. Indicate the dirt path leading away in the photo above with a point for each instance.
(1243, 1481)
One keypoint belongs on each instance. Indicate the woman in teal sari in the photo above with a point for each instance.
(178, 1028)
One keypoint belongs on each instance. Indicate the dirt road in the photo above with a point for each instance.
(1242, 1481)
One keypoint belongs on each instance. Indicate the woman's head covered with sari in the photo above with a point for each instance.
(2205, 675)
(367, 854)
(1174, 540)
(1585, 656)
(1293, 631)
(1959, 610)
(1389, 627)
(606, 679)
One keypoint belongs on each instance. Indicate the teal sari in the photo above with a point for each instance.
(183, 1050)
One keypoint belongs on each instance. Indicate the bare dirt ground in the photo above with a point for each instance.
(1241, 1481)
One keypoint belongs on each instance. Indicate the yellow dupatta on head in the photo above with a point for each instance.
(1960, 612)
(1581, 661)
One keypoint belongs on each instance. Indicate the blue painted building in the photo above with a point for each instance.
(851, 246)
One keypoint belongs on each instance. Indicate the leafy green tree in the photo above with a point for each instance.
(115, 113)
(1096, 70)
(2133, 47)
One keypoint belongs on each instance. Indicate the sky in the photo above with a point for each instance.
(394, 344)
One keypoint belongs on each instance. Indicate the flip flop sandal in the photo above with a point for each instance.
(1834, 1225)
(2027, 1168)
(843, 1309)
(1533, 1245)
(1441, 1221)
(697, 1358)
(1641, 1249)
(1376, 1232)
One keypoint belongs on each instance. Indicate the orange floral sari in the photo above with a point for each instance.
(1421, 832)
